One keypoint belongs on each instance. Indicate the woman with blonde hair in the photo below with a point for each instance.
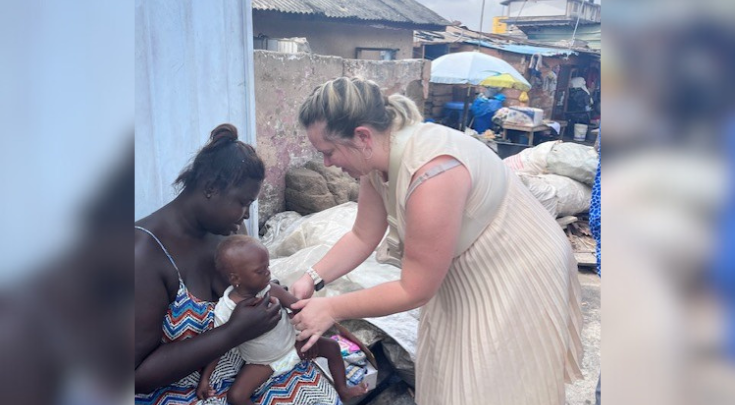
(494, 273)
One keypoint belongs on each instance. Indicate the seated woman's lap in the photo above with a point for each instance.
(304, 384)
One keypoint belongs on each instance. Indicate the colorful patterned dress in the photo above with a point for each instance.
(188, 316)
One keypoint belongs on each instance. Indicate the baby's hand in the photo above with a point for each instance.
(310, 354)
(204, 390)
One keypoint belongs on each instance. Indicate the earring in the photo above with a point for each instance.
(208, 195)
(367, 157)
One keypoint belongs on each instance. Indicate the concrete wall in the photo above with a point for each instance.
(283, 81)
(333, 38)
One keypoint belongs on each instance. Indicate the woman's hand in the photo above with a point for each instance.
(252, 318)
(315, 317)
(303, 288)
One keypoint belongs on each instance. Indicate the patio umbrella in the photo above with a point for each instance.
(476, 68)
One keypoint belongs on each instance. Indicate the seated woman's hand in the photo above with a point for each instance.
(252, 318)
(204, 390)
(313, 320)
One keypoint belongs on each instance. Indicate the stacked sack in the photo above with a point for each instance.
(558, 174)
(314, 188)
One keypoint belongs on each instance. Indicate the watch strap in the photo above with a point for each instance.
(318, 281)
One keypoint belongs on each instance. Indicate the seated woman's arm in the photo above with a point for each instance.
(158, 365)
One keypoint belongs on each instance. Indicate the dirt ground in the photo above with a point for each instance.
(582, 392)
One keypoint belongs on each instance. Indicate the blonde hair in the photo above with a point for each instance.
(347, 103)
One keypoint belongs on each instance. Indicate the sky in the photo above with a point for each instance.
(466, 11)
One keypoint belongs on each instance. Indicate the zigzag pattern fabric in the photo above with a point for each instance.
(187, 316)
(305, 384)
(172, 395)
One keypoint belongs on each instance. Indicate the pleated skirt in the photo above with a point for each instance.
(505, 326)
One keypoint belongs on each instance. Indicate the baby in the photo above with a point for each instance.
(244, 262)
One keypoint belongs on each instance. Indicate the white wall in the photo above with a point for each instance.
(193, 71)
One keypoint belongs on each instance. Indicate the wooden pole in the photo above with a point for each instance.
(482, 15)
(465, 110)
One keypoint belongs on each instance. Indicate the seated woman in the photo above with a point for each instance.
(176, 285)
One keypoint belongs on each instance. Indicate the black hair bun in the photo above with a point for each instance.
(226, 131)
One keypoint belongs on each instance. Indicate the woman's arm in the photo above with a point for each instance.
(433, 221)
(355, 246)
(158, 365)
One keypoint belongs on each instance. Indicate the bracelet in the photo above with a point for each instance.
(318, 282)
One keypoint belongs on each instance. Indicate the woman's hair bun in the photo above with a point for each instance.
(227, 131)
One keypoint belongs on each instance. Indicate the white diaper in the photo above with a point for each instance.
(285, 363)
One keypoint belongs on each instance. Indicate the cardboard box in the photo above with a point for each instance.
(536, 115)
(371, 374)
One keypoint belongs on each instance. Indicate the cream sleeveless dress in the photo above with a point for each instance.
(504, 327)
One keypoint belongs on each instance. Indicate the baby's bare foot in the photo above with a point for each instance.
(347, 393)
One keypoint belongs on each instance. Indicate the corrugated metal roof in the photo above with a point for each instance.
(287, 6)
(496, 41)
(399, 11)
(592, 34)
(524, 49)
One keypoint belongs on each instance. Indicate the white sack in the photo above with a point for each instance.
(531, 160)
(542, 190)
(572, 196)
(573, 160)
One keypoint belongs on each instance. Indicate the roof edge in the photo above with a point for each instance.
(355, 20)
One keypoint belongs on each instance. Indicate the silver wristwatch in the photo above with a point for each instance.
(318, 282)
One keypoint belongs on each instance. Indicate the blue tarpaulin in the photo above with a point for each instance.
(483, 109)
(524, 49)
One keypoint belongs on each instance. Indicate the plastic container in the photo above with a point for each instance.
(580, 132)
(453, 112)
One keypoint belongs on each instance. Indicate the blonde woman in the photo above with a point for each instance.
(491, 268)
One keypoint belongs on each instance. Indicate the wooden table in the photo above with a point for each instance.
(524, 128)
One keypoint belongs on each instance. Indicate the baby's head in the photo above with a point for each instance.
(243, 261)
